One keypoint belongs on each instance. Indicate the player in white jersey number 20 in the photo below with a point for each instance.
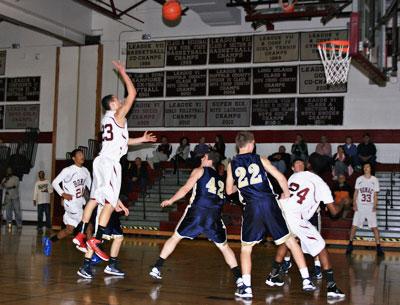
(106, 167)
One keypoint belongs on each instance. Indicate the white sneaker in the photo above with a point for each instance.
(308, 285)
(155, 273)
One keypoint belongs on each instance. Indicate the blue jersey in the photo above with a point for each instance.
(251, 178)
(208, 191)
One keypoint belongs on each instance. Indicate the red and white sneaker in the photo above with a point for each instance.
(95, 245)
(80, 242)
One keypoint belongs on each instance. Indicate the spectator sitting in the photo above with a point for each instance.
(341, 163)
(219, 147)
(324, 148)
(162, 152)
(299, 148)
(182, 152)
(343, 194)
(280, 159)
(351, 150)
(199, 151)
(366, 151)
(139, 176)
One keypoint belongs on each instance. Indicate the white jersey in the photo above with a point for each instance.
(74, 179)
(114, 137)
(366, 187)
(307, 191)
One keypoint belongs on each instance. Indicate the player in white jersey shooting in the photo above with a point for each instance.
(74, 179)
(365, 202)
(307, 192)
(106, 167)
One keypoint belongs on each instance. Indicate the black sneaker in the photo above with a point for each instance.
(349, 249)
(244, 292)
(86, 273)
(379, 251)
(334, 292)
(155, 273)
(286, 265)
(275, 280)
(114, 270)
(317, 272)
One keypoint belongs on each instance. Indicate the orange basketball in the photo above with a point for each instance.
(171, 10)
(288, 8)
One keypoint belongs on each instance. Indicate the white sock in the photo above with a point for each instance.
(317, 263)
(246, 279)
(287, 258)
(304, 273)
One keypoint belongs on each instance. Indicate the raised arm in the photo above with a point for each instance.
(129, 100)
(278, 176)
(147, 137)
(230, 187)
(194, 176)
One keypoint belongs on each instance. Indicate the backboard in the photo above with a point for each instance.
(372, 38)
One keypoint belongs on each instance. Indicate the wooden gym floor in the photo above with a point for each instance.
(194, 274)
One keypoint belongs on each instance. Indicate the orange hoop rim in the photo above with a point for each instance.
(338, 45)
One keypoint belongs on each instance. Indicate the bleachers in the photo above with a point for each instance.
(165, 220)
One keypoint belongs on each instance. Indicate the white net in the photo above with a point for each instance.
(336, 60)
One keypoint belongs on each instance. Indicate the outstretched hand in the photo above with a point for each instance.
(149, 137)
(118, 66)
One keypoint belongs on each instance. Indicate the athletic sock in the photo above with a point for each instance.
(275, 268)
(236, 272)
(329, 277)
(317, 263)
(82, 227)
(304, 273)
(86, 263)
(246, 279)
(159, 263)
(100, 232)
(54, 238)
(287, 258)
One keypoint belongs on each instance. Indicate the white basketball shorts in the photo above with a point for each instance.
(364, 212)
(106, 181)
(310, 239)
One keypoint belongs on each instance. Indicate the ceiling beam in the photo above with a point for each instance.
(98, 8)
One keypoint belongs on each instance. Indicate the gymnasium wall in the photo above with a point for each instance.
(36, 56)
(366, 106)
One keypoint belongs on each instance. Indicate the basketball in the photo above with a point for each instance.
(171, 10)
(288, 8)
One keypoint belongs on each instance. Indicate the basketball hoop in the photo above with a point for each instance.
(336, 60)
(287, 7)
